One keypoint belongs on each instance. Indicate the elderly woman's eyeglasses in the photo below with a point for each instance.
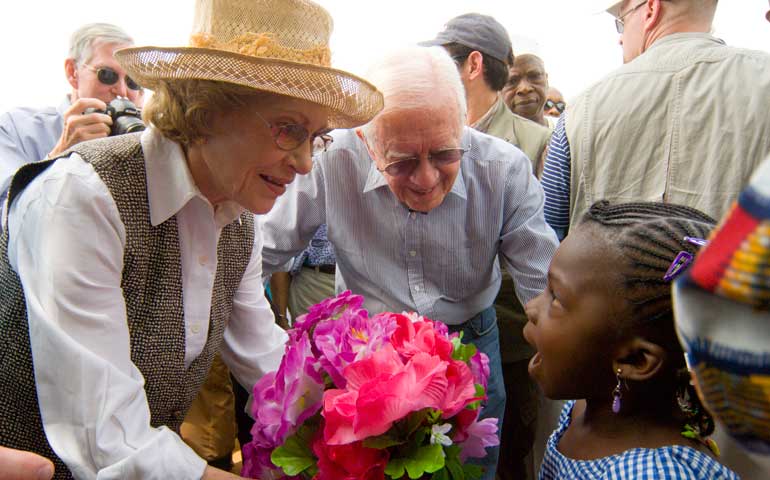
(406, 166)
(108, 76)
(619, 25)
(559, 106)
(288, 136)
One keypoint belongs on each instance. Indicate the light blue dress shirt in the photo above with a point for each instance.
(442, 264)
(27, 135)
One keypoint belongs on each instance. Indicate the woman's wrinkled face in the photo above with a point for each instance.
(242, 161)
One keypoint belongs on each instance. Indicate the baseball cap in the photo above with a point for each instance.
(476, 31)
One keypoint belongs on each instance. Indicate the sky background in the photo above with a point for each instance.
(578, 44)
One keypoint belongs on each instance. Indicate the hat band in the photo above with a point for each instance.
(263, 45)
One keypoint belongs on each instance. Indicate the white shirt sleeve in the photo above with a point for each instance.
(253, 343)
(66, 244)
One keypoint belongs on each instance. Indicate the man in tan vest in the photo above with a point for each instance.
(683, 121)
(482, 49)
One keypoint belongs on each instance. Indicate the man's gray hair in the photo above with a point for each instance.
(414, 77)
(85, 38)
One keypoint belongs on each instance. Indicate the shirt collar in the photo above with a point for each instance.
(170, 184)
(684, 36)
(375, 179)
(483, 123)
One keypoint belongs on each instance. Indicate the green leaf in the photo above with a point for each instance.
(455, 469)
(473, 472)
(395, 467)
(382, 442)
(425, 459)
(462, 351)
(295, 455)
(480, 392)
(442, 474)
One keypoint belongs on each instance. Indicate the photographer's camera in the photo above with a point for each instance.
(126, 117)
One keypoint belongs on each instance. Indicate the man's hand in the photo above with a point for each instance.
(18, 465)
(79, 128)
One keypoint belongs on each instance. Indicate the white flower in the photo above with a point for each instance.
(438, 435)
(413, 316)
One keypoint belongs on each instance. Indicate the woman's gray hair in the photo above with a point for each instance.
(414, 77)
(85, 38)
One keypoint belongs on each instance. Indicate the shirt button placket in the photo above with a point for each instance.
(414, 260)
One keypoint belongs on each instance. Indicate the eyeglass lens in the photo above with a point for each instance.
(442, 158)
(108, 76)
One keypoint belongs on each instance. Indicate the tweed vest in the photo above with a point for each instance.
(686, 122)
(152, 288)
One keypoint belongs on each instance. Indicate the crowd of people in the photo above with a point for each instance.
(154, 253)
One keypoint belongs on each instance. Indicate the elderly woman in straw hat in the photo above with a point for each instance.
(130, 262)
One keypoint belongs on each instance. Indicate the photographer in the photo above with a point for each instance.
(32, 134)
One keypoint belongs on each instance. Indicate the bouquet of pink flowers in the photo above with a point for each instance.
(359, 397)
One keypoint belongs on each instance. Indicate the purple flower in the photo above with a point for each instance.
(283, 400)
(480, 434)
(329, 308)
(480, 368)
(351, 337)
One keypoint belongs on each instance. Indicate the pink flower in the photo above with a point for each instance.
(460, 391)
(283, 400)
(349, 462)
(351, 337)
(413, 337)
(382, 389)
(474, 435)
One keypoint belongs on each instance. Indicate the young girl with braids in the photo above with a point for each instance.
(604, 334)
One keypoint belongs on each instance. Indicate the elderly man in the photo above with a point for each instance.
(419, 208)
(482, 49)
(524, 92)
(31, 134)
(683, 121)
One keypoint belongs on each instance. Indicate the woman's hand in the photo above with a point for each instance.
(18, 465)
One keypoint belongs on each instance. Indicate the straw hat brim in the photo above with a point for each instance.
(351, 100)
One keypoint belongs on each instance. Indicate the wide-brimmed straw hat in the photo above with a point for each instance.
(278, 46)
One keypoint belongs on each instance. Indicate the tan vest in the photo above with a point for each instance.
(530, 137)
(686, 122)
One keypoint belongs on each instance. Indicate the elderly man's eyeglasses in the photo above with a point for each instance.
(406, 166)
(288, 136)
(108, 76)
(619, 25)
(559, 106)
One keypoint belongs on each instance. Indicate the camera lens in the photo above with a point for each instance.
(127, 124)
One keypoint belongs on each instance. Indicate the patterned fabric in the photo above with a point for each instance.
(152, 289)
(670, 463)
(556, 181)
(319, 252)
(722, 311)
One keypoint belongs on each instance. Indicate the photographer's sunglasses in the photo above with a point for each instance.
(407, 166)
(288, 136)
(559, 106)
(108, 76)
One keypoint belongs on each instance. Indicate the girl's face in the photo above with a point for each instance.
(573, 323)
(240, 160)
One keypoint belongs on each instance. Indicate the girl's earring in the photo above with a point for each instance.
(616, 393)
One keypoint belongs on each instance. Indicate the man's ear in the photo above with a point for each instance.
(71, 72)
(652, 15)
(360, 134)
(475, 63)
(639, 359)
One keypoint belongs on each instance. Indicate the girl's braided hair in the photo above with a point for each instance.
(648, 236)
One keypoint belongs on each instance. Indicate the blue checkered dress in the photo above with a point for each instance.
(674, 462)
